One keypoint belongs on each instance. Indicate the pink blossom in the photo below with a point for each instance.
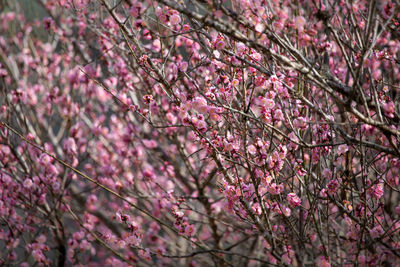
(256, 56)
(377, 190)
(38, 255)
(278, 115)
(267, 103)
(389, 109)
(376, 232)
(189, 230)
(28, 183)
(267, 179)
(171, 118)
(220, 44)
(136, 9)
(333, 186)
(200, 104)
(252, 149)
(286, 211)
(70, 146)
(48, 23)
(175, 19)
(294, 200)
(327, 173)
(200, 129)
(300, 122)
(398, 209)
(183, 66)
(323, 262)
(241, 48)
(148, 173)
(78, 235)
(300, 22)
(377, 74)
(41, 239)
(149, 143)
(342, 149)
(275, 189)
(256, 208)
(145, 254)
(133, 240)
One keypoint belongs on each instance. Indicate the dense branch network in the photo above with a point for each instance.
(212, 132)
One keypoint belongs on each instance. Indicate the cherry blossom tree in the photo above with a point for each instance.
(199, 133)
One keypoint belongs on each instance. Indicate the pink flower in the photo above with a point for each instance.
(299, 22)
(376, 232)
(278, 115)
(120, 244)
(47, 23)
(252, 149)
(30, 137)
(267, 103)
(323, 262)
(183, 66)
(256, 208)
(145, 254)
(301, 123)
(175, 19)
(256, 56)
(342, 149)
(132, 240)
(240, 48)
(220, 44)
(294, 200)
(70, 146)
(148, 173)
(275, 189)
(189, 230)
(377, 190)
(267, 179)
(377, 74)
(327, 173)
(122, 217)
(149, 143)
(200, 104)
(41, 239)
(38, 255)
(389, 109)
(136, 9)
(45, 159)
(171, 118)
(286, 211)
(78, 235)
(398, 210)
(28, 183)
(333, 186)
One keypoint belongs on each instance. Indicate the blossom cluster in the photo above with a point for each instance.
(199, 133)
